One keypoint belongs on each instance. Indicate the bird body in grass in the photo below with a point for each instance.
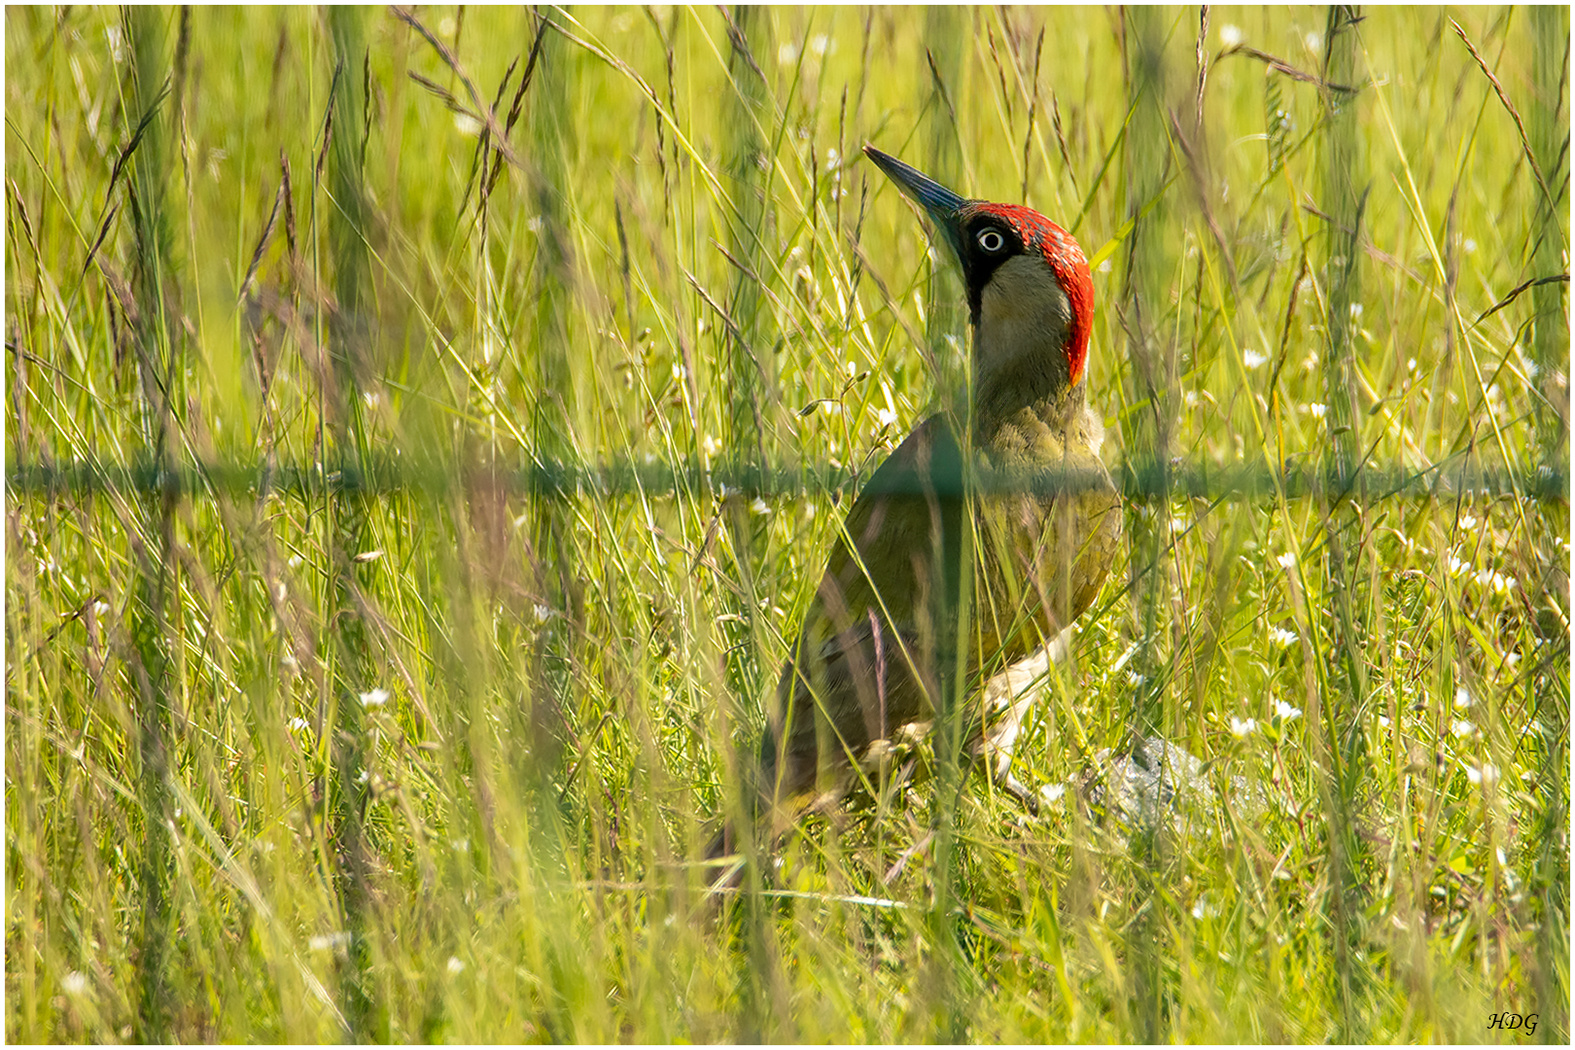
(956, 562)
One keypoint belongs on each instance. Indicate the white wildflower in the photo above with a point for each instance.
(1242, 727)
(1282, 638)
(1462, 729)
(74, 983)
(1318, 410)
(455, 966)
(1487, 774)
(1287, 559)
(543, 613)
(467, 125)
(885, 417)
(374, 698)
(1285, 712)
(1052, 792)
(1230, 35)
(326, 941)
(711, 445)
(1252, 359)
(759, 507)
(300, 725)
(1462, 697)
(1468, 522)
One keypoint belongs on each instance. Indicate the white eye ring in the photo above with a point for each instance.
(991, 240)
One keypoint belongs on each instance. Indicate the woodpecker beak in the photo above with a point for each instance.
(939, 202)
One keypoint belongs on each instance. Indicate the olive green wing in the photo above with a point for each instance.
(862, 666)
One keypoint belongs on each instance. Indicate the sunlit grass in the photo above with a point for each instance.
(550, 692)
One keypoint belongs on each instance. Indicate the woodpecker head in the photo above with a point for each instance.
(1030, 295)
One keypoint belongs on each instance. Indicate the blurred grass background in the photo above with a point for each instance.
(345, 699)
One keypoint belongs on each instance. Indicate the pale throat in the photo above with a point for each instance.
(1020, 344)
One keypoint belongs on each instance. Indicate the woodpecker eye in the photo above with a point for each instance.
(991, 241)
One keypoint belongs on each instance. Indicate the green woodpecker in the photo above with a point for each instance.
(960, 565)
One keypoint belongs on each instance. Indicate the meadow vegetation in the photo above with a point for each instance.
(424, 431)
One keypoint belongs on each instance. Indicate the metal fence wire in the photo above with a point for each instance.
(626, 477)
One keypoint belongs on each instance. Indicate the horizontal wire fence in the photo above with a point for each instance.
(627, 477)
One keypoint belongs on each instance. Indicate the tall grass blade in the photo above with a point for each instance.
(557, 407)
(1550, 676)
(946, 30)
(1150, 385)
(162, 370)
(746, 338)
(1344, 699)
(351, 331)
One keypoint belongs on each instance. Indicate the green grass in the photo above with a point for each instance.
(292, 759)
